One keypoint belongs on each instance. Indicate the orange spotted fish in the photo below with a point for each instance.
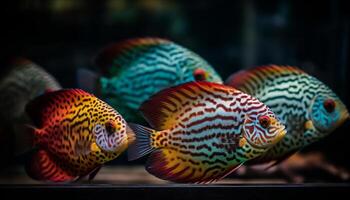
(203, 132)
(75, 134)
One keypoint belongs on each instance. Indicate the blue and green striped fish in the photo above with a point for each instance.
(135, 69)
(309, 109)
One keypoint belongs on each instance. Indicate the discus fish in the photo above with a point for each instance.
(135, 69)
(21, 80)
(204, 131)
(309, 109)
(75, 134)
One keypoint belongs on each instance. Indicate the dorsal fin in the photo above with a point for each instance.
(20, 61)
(246, 79)
(106, 56)
(14, 63)
(162, 109)
(40, 108)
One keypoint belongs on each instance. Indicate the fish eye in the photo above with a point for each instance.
(199, 74)
(110, 128)
(329, 105)
(264, 121)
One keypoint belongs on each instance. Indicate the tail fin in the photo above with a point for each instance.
(142, 144)
(87, 80)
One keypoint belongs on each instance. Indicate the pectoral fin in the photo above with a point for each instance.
(309, 125)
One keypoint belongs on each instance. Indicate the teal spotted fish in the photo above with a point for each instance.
(135, 69)
(309, 109)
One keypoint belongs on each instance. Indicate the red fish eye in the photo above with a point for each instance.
(329, 105)
(199, 74)
(264, 121)
(110, 128)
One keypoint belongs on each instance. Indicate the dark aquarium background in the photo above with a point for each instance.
(62, 36)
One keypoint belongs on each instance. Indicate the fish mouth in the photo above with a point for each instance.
(122, 145)
(345, 117)
(280, 135)
(117, 146)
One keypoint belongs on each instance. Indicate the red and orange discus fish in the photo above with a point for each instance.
(203, 132)
(75, 134)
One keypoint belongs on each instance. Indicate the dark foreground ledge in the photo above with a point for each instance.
(177, 191)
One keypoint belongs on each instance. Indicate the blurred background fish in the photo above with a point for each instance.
(135, 69)
(20, 82)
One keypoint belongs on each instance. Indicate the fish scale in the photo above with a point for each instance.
(201, 126)
(290, 93)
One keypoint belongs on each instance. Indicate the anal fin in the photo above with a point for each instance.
(45, 167)
(177, 167)
(94, 173)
